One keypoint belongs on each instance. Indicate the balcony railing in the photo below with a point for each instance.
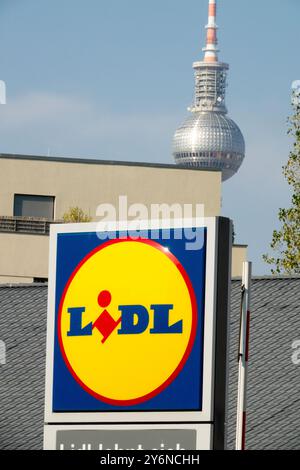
(29, 225)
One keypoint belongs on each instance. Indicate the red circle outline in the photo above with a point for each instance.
(180, 366)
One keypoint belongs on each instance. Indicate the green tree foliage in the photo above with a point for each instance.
(286, 241)
(75, 215)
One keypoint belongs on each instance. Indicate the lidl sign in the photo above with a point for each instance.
(131, 325)
(127, 321)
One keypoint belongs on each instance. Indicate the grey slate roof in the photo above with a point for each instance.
(23, 329)
(274, 381)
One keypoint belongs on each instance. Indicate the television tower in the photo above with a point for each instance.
(208, 138)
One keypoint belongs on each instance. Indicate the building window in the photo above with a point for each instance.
(40, 280)
(26, 205)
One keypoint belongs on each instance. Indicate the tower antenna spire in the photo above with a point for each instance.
(211, 48)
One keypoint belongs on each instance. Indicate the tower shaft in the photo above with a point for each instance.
(210, 87)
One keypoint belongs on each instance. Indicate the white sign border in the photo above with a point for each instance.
(207, 413)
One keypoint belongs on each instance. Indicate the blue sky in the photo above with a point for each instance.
(112, 80)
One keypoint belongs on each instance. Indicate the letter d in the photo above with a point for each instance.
(131, 313)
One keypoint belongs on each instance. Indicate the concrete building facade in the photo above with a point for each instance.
(37, 191)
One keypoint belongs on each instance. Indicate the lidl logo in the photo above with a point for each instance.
(127, 321)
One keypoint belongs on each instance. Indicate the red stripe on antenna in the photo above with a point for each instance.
(212, 9)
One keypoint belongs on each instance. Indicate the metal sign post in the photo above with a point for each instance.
(243, 357)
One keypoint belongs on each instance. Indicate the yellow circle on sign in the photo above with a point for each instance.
(126, 369)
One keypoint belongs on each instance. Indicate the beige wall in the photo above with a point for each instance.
(15, 280)
(23, 257)
(239, 256)
(87, 185)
